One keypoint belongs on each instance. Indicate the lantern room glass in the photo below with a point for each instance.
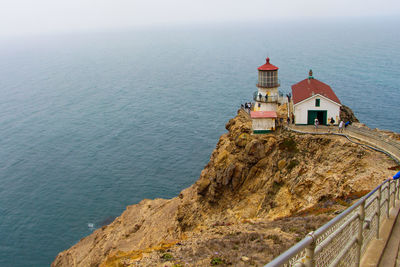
(268, 78)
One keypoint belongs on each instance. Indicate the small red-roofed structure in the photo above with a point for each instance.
(313, 99)
(263, 114)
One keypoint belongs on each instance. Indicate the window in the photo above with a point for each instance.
(317, 102)
(268, 78)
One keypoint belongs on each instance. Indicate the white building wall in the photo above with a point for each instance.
(301, 109)
(272, 92)
(265, 106)
(263, 124)
(269, 91)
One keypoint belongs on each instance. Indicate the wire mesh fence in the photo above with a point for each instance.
(343, 240)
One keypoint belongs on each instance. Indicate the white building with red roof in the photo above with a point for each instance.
(313, 99)
(263, 114)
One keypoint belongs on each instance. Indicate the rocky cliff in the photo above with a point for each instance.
(257, 196)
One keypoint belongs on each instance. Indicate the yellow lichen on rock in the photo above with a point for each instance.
(257, 195)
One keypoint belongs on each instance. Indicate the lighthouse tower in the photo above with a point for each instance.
(264, 114)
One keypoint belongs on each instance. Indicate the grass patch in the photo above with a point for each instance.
(216, 261)
(275, 238)
(167, 256)
(292, 164)
(288, 144)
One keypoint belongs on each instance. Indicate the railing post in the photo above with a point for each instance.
(398, 189)
(394, 193)
(309, 260)
(378, 212)
(388, 201)
(360, 239)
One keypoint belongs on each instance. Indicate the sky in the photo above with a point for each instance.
(25, 17)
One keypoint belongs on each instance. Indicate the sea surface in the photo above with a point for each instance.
(92, 122)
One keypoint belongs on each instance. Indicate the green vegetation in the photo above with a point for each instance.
(275, 238)
(292, 164)
(216, 261)
(288, 144)
(167, 256)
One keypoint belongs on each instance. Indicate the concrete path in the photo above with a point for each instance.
(363, 135)
(390, 255)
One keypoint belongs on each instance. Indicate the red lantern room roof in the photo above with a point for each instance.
(268, 66)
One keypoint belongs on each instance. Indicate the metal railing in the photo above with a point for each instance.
(379, 137)
(343, 240)
(264, 99)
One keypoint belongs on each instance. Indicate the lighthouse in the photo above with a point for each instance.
(264, 115)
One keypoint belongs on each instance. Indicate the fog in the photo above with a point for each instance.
(22, 17)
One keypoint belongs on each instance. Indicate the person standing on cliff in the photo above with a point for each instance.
(331, 122)
(396, 176)
(341, 126)
(316, 122)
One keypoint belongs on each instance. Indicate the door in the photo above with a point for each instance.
(311, 117)
(321, 115)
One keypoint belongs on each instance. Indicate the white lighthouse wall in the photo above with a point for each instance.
(272, 92)
(301, 109)
(265, 106)
(263, 125)
(269, 91)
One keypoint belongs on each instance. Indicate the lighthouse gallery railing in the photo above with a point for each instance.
(343, 240)
(265, 99)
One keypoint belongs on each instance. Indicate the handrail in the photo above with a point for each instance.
(365, 215)
(310, 249)
(265, 99)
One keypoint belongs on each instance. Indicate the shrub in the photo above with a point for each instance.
(216, 261)
(275, 238)
(166, 256)
(292, 164)
(288, 144)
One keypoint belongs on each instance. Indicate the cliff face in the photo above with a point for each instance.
(346, 114)
(257, 196)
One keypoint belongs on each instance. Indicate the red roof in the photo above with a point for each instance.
(309, 87)
(262, 114)
(268, 66)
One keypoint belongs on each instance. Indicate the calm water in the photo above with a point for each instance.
(91, 123)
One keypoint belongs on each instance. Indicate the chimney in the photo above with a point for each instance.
(310, 75)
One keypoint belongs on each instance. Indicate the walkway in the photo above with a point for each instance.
(384, 251)
(364, 136)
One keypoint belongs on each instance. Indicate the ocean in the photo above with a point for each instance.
(91, 122)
